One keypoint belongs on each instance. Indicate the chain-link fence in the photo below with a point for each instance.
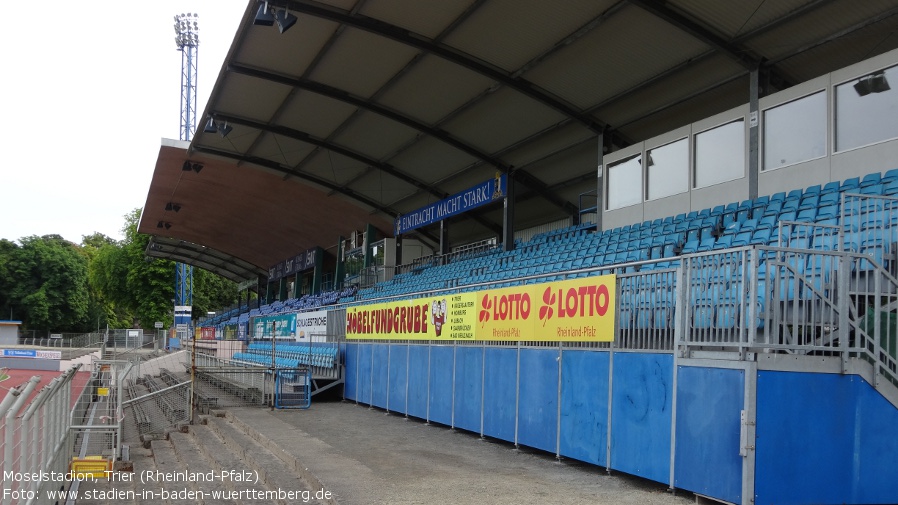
(97, 415)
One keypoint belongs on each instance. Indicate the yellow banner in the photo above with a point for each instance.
(577, 310)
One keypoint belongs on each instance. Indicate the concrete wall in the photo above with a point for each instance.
(9, 332)
(835, 166)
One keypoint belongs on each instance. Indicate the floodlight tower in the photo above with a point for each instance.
(187, 41)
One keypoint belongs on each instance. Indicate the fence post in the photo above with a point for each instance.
(844, 321)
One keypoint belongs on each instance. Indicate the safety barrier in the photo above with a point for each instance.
(35, 432)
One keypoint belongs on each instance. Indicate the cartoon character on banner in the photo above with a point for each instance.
(438, 315)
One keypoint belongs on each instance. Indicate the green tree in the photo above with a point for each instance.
(211, 292)
(8, 251)
(135, 286)
(46, 283)
(102, 311)
(138, 290)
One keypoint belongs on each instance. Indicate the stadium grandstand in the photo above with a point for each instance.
(654, 236)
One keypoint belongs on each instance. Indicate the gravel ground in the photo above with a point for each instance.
(366, 457)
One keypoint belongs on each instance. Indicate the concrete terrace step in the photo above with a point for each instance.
(143, 461)
(286, 441)
(167, 462)
(271, 469)
(222, 458)
(197, 463)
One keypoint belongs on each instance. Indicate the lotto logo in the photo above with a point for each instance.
(506, 307)
(583, 301)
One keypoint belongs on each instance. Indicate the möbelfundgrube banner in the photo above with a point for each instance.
(577, 310)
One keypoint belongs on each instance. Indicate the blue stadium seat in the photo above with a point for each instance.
(706, 244)
(830, 187)
(825, 242)
(749, 225)
(690, 246)
(761, 236)
(726, 219)
(768, 221)
(807, 215)
(727, 315)
(703, 316)
(788, 216)
(872, 189)
(772, 209)
(724, 242)
(890, 188)
(871, 179)
(742, 239)
(850, 185)
(829, 199)
(808, 202)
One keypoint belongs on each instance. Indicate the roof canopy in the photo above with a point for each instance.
(365, 110)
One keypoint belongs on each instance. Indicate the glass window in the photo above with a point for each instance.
(625, 182)
(720, 154)
(866, 109)
(667, 170)
(795, 131)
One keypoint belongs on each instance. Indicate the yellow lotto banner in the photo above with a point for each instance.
(577, 310)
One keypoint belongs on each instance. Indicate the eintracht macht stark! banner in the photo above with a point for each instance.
(580, 310)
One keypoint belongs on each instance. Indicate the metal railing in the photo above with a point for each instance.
(796, 301)
(73, 340)
(36, 437)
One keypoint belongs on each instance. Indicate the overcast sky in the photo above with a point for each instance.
(89, 91)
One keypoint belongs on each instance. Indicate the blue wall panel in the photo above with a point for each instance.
(350, 360)
(468, 387)
(499, 390)
(641, 414)
(398, 378)
(538, 406)
(441, 384)
(707, 461)
(364, 371)
(379, 375)
(824, 438)
(584, 405)
(417, 380)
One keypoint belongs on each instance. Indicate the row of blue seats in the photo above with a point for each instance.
(281, 364)
(305, 355)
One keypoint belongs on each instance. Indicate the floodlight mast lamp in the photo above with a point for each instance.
(187, 41)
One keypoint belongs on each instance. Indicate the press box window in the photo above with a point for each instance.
(625, 183)
(720, 154)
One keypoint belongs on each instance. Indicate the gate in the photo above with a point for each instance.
(293, 388)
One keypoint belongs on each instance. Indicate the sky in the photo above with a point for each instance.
(86, 98)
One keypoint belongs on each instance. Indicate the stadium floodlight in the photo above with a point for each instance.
(210, 126)
(264, 17)
(284, 20)
(188, 166)
(224, 129)
(873, 83)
